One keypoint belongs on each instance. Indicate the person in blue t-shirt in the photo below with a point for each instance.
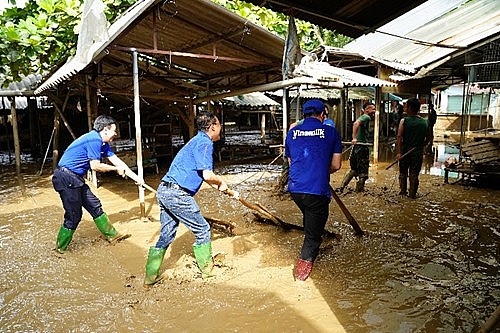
(314, 151)
(192, 166)
(81, 155)
(326, 120)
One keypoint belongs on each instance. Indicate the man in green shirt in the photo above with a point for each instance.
(360, 154)
(413, 136)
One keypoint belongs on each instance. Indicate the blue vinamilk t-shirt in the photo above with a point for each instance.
(187, 167)
(310, 147)
(80, 152)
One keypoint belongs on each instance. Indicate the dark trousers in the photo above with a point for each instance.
(314, 209)
(75, 194)
(360, 160)
(409, 167)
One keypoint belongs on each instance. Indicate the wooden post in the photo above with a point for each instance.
(55, 146)
(376, 130)
(15, 134)
(191, 118)
(285, 113)
(6, 124)
(263, 128)
(91, 173)
(138, 132)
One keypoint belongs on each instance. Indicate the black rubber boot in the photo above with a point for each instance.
(348, 177)
(360, 184)
(403, 187)
(413, 186)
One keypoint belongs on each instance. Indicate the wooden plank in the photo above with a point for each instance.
(481, 151)
(485, 144)
(487, 159)
(490, 145)
(476, 157)
(475, 143)
(485, 155)
(485, 147)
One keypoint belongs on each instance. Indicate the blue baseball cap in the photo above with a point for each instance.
(313, 105)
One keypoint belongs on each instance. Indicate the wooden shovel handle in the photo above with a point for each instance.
(399, 159)
(135, 178)
(350, 218)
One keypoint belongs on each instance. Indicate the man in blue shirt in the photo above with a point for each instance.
(81, 155)
(192, 166)
(314, 151)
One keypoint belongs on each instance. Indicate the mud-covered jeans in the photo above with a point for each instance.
(75, 194)
(178, 206)
(314, 209)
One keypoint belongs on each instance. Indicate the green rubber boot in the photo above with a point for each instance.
(203, 256)
(63, 239)
(107, 229)
(155, 258)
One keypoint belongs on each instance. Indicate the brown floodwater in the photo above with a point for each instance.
(424, 265)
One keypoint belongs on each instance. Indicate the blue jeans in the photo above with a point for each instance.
(178, 206)
(75, 194)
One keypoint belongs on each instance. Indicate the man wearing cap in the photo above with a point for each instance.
(360, 154)
(314, 151)
(325, 118)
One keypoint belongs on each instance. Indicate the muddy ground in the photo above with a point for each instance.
(425, 265)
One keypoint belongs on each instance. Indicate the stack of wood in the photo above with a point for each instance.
(484, 155)
(480, 159)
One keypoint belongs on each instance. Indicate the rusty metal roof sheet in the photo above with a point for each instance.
(185, 48)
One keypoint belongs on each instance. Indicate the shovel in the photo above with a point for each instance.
(350, 218)
(262, 211)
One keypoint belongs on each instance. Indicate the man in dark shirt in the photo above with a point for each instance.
(413, 135)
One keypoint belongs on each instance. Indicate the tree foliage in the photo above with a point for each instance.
(37, 37)
(42, 34)
(310, 35)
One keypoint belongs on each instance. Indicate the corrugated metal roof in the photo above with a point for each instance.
(200, 47)
(326, 94)
(430, 32)
(253, 99)
(324, 71)
(23, 87)
(76, 64)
